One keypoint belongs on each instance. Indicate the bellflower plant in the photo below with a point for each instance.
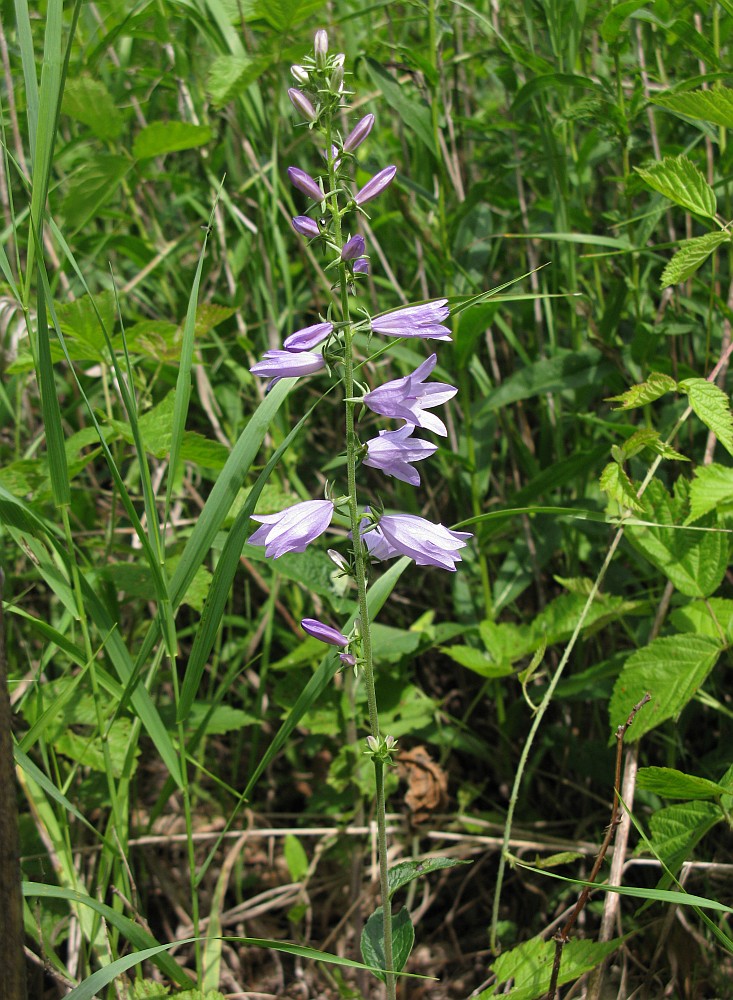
(375, 536)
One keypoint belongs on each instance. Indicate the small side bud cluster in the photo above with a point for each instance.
(381, 748)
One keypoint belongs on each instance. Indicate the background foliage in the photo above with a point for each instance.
(578, 145)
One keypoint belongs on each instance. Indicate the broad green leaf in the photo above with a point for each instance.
(372, 941)
(676, 829)
(694, 560)
(712, 406)
(615, 482)
(692, 255)
(92, 187)
(714, 105)
(565, 370)
(672, 669)
(407, 871)
(711, 489)
(555, 83)
(478, 661)
(673, 784)
(230, 75)
(88, 101)
(529, 966)
(677, 178)
(295, 858)
(614, 19)
(654, 387)
(169, 137)
(648, 437)
(712, 617)
(413, 112)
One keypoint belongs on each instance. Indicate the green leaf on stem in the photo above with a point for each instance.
(372, 941)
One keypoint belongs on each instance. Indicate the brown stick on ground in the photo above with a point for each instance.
(562, 935)
(12, 957)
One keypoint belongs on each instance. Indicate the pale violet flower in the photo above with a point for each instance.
(305, 183)
(292, 529)
(361, 266)
(415, 321)
(307, 338)
(324, 632)
(320, 47)
(353, 248)
(358, 134)
(409, 398)
(288, 364)
(375, 186)
(300, 73)
(393, 451)
(408, 535)
(305, 226)
(302, 104)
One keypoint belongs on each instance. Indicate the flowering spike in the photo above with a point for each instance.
(292, 529)
(305, 226)
(358, 134)
(410, 397)
(301, 103)
(324, 632)
(287, 364)
(375, 186)
(353, 248)
(308, 337)
(392, 452)
(415, 321)
(305, 183)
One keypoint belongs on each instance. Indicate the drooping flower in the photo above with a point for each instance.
(288, 364)
(415, 321)
(353, 248)
(358, 134)
(393, 451)
(408, 535)
(307, 338)
(305, 226)
(361, 266)
(410, 397)
(375, 186)
(377, 545)
(292, 529)
(302, 104)
(305, 183)
(324, 632)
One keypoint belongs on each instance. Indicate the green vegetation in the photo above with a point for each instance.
(196, 800)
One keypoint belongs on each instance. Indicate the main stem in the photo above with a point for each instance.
(352, 450)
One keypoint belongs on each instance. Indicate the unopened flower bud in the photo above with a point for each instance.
(353, 248)
(337, 79)
(375, 186)
(305, 226)
(301, 103)
(358, 134)
(300, 74)
(305, 183)
(320, 48)
(338, 60)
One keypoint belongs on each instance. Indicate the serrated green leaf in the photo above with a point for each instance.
(673, 784)
(407, 871)
(711, 489)
(712, 406)
(691, 255)
(229, 76)
(654, 387)
(710, 617)
(714, 105)
(372, 941)
(617, 485)
(676, 829)
(648, 437)
(672, 669)
(88, 101)
(694, 561)
(478, 661)
(169, 137)
(529, 966)
(677, 178)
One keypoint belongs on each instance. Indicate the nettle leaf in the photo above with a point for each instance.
(229, 76)
(677, 178)
(714, 106)
(691, 255)
(695, 561)
(712, 617)
(529, 966)
(675, 830)
(671, 669)
(654, 387)
(88, 101)
(673, 784)
(711, 489)
(372, 941)
(407, 871)
(619, 487)
(648, 437)
(712, 406)
(169, 137)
